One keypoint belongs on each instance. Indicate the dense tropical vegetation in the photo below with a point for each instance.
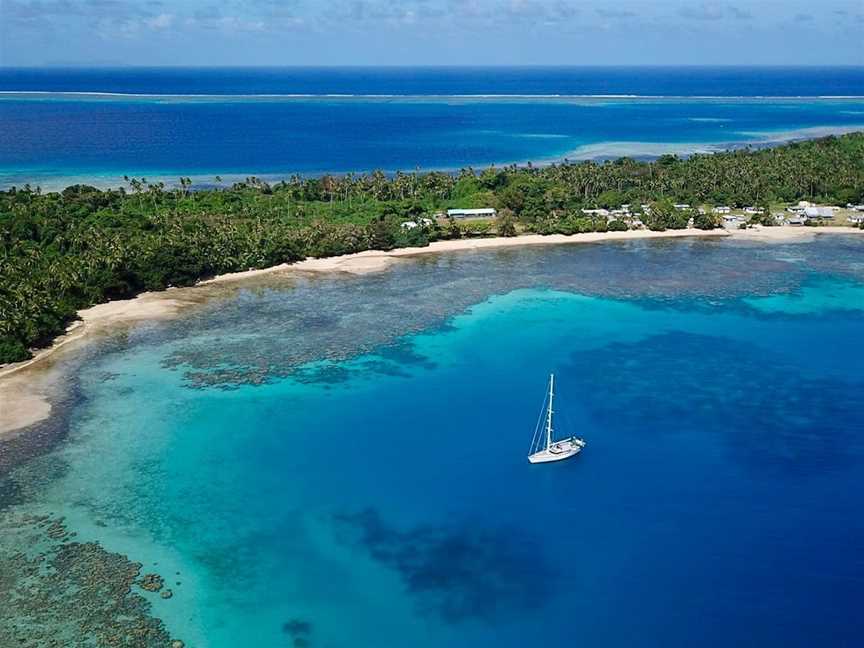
(60, 252)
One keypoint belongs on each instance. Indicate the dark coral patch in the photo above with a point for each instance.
(457, 572)
(771, 414)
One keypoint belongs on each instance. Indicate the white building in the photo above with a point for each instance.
(486, 212)
(681, 206)
(723, 209)
(856, 219)
(819, 213)
(425, 222)
(596, 212)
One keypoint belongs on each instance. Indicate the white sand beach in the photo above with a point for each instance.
(791, 234)
(23, 393)
(375, 260)
(25, 386)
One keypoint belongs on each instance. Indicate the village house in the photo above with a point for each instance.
(818, 213)
(486, 212)
(425, 222)
(800, 207)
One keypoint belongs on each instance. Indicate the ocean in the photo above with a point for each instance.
(341, 460)
(63, 126)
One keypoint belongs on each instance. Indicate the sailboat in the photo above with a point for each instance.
(543, 449)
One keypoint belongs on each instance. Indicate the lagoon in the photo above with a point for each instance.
(341, 459)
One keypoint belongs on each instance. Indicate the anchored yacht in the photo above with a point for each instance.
(543, 448)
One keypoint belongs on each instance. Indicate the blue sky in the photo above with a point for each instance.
(425, 32)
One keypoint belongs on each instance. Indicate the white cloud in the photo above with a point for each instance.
(162, 21)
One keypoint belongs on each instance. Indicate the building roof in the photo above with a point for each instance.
(818, 212)
(485, 211)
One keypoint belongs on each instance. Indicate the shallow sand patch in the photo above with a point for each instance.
(359, 264)
(23, 402)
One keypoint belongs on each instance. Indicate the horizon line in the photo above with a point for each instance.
(120, 66)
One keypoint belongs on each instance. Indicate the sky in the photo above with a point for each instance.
(430, 32)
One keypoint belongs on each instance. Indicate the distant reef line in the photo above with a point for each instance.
(598, 152)
(95, 94)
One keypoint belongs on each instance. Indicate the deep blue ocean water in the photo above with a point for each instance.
(61, 126)
(351, 451)
(608, 80)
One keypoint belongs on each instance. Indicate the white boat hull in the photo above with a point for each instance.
(558, 451)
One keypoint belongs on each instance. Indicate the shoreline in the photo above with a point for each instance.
(26, 384)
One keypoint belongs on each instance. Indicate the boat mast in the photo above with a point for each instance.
(549, 411)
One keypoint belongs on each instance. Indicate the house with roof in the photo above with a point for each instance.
(596, 212)
(485, 212)
(818, 213)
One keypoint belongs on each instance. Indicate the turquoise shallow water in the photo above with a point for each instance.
(349, 453)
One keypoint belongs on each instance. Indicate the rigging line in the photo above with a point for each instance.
(535, 440)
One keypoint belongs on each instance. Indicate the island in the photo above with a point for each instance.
(62, 252)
